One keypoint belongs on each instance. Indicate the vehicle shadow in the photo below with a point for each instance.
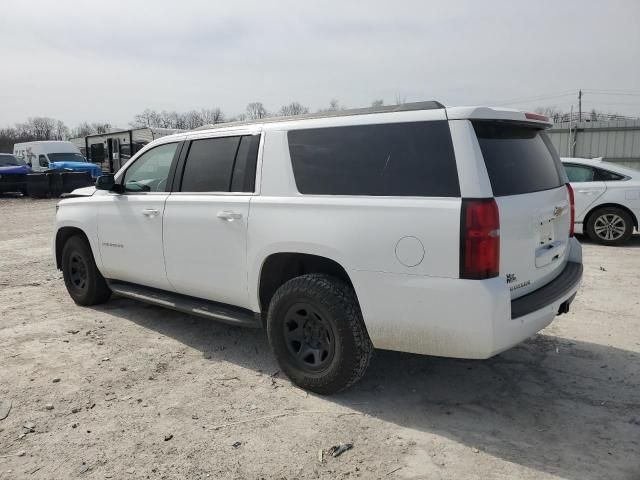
(633, 242)
(555, 405)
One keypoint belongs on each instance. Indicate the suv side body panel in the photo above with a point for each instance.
(400, 253)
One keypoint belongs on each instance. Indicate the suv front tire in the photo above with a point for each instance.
(85, 284)
(317, 334)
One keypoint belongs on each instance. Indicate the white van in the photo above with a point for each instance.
(56, 155)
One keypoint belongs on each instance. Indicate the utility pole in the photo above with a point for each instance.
(579, 105)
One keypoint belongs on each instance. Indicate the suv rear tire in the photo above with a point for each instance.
(85, 284)
(610, 226)
(317, 334)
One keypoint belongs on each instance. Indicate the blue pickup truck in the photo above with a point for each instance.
(13, 174)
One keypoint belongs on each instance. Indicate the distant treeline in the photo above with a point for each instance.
(46, 128)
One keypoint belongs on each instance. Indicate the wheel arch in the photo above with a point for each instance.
(278, 268)
(62, 235)
(587, 217)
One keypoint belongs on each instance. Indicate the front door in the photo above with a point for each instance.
(130, 224)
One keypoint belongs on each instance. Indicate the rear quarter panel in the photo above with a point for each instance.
(625, 193)
(360, 233)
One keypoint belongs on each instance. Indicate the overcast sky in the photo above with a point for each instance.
(108, 60)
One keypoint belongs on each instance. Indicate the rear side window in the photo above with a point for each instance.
(399, 159)
(244, 173)
(578, 173)
(606, 176)
(209, 165)
(519, 158)
(223, 164)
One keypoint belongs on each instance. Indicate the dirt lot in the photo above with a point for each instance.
(565, 404)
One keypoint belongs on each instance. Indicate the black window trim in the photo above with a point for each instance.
(176, 184)
(172, 169)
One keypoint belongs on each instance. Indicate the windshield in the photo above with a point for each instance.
(10, 161)
(66, 157)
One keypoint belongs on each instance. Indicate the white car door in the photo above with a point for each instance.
(130, 223)
(206, 217)
(586, 190)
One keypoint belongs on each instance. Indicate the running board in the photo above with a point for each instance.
(191, 305)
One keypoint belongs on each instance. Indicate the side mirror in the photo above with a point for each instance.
(107, 182)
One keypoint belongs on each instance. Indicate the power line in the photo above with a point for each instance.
(515, 101)
(633, 93)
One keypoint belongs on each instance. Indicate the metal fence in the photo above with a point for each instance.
(616, 141)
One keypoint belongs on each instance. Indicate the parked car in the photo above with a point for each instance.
(419, 228)
(607, 199)
(54, 155)
(13, 174)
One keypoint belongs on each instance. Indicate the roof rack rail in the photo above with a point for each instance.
(403, 107)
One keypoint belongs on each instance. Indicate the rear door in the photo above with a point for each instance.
(528, 184)
(206, 217)
(586, 186)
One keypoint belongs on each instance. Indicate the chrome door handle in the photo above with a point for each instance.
(229, 216)
(588, 192)
(150, 212)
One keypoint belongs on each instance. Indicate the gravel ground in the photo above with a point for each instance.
(127, 390)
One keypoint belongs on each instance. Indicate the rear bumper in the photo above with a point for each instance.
(459, 318)
(568, 281)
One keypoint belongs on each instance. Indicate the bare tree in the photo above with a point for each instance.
(43, 127)
(400, 99)
(334, 105)
(192, 119)
(294, 108)
(256, 111)
(61, 131)
(212, 116)
(82, 130)
(552, 112)
(85, 128)
(377, 103)
(148, 118)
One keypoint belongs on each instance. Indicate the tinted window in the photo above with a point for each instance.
(244, 173)
(578, 173)
(400, 159)
(96, 152)
(519, 159)
(209, 165)
(150, 171)
(607, 176)
(9, 161)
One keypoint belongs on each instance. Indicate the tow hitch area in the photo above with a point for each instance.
(564, 306)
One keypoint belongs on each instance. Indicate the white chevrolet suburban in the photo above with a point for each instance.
(418, 228)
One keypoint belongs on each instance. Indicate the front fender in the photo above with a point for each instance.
(76, 213)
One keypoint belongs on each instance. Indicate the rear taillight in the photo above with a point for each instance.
(572, 207)
(479, 239)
